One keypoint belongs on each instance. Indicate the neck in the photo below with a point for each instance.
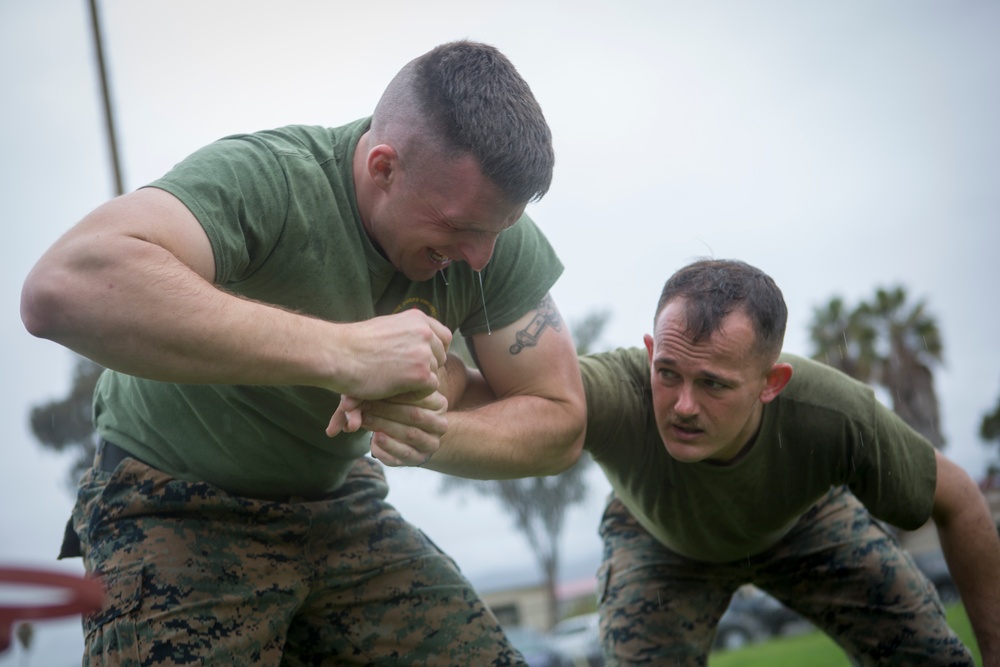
(748, 436)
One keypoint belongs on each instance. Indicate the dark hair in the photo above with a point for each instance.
(714, 288)
(472, 100)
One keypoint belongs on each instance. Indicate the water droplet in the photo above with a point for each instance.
(483, 295)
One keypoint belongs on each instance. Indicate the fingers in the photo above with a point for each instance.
(396, 455)
(405, 432)
(346, 418)
(440, 343)
(384, 458)
(397, 353)
(417, 424)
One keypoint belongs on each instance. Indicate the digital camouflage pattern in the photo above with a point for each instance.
(198, 576)
(838, 568)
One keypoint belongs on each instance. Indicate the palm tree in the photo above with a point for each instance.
(844, 339)
(989, 428)
(890, 343)
(906, 367)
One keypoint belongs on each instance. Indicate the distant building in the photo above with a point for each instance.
(518, 598)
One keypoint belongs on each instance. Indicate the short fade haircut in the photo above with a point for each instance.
(712, 289)
(471, 100)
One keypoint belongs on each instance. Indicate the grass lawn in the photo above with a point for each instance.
(817, 650)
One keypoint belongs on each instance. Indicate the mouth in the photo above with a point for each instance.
(686, 431)
(441, 261)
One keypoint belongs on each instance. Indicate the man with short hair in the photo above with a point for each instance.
(731, 464)
(734, 464)
(236, 301)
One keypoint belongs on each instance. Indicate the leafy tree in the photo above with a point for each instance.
(914, 348)
(67, 424)
(844, 339)
(538, 504)
(989, 429)
(887, 342)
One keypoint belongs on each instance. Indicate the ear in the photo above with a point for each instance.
(777, 380)
(382, 164)
(649, 346)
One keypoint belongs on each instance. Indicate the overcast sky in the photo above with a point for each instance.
(838, 146)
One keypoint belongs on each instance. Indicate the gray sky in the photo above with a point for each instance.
(838, 146)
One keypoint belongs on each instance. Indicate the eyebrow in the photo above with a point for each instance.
(717, 378)
(708, 375)
(477, 227)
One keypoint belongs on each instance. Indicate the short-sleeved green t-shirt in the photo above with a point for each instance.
(280, 212)
(824, 430)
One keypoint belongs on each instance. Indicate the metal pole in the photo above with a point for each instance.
(108, 115)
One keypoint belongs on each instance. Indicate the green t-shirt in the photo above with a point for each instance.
(280, 211)
(824, 430)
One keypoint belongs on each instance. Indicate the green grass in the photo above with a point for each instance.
(817, 650)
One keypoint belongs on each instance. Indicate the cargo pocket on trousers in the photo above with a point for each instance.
(603, 581)
(110, 634)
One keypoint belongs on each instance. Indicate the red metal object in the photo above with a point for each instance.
(83, 595)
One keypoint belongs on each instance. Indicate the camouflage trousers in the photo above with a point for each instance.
(197, 576)
(838, 568)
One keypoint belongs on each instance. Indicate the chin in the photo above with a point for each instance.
(418, 275)
(686, 453)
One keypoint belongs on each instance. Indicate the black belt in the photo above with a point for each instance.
(109, 455)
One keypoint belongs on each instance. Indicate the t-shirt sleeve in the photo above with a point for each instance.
(523, 269)
(237, 189)
(613, 387)
(897, 478)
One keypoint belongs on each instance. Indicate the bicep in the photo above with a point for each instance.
(534, 356)
(149, 216)
(954, 490)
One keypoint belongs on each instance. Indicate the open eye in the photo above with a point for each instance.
(666, 374)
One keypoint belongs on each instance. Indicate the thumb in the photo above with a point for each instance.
(347, 417)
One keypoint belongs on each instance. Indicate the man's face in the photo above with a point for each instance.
(423, 224)
(706, 396)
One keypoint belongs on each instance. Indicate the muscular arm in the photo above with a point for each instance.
(972, 549)
(131, 287)
(534, 427)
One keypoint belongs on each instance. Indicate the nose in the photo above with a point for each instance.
(477, 254)
(685, 406)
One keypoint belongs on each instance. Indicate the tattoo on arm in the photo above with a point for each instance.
(547, 316)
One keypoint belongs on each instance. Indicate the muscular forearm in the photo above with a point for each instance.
(464, 386)
(153, 317)
(527, 420)
(974, 561)
(519, 436)
(972, 549)
(143, 303)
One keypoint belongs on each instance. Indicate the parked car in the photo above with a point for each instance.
(753, 616)
(737, 629)
(933, 565)
(538, 649)
(579, 637)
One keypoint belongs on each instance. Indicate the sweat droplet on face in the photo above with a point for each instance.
(483, 295)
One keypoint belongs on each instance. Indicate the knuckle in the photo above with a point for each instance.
(414, 434)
